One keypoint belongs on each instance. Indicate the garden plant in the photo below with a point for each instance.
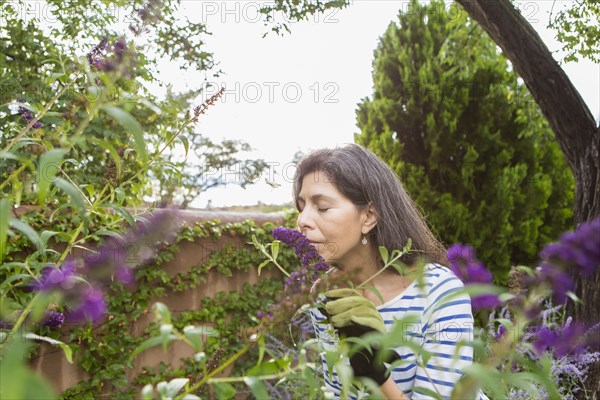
(83, 144)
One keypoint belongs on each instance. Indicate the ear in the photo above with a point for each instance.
(369, 219)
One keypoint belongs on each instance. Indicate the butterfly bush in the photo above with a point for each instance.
(82, 283)
(538, 300)
(312, 263)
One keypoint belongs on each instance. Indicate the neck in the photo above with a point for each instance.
(361, 266)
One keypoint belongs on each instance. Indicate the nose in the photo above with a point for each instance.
(305, 222)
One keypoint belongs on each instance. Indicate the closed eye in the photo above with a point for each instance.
(322, 209)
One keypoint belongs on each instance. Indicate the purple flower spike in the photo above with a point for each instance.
(579, 249)
(312, 263)
(545, 339)
(125, 275)
(92, 306)
(559, 281)
(570, 340)
(485, 301)
(54, 278)
(54, 319)
(465, 266)
(500, 333)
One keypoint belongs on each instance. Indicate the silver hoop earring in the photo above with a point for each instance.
(364, 240)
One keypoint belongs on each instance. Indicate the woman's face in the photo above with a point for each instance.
(331, 221)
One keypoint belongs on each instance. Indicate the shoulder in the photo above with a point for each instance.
(437, 276)
(443, 287)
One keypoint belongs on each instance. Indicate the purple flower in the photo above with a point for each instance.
(53, 278)
(51, 319)
(500, 333)
(485, 301)
(559, 281)
(567, 340)
(545, 338)
(97, 51)
(465, 266)
(570, 339)
(100, 61)
(579, 249)
(312, 262)
(91, 307)
(120, 47)
(27, 116)
(54, 319)
(125, 274)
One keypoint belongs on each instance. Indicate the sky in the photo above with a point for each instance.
(299, 91)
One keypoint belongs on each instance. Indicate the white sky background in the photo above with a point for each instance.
(300, 91)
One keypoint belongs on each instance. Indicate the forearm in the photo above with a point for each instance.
(391, 391)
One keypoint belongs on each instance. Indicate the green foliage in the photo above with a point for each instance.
(41, 56)
(578, 28)
(471, 146)
(105, 351)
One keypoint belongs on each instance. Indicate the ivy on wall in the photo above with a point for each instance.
(104, 350)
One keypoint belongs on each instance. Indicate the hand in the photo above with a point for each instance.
(354, 316)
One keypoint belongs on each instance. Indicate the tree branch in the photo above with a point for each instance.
(567, 113)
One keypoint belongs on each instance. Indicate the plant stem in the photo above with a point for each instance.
(22, 317)
(217, 370)
(260, 377)
(40, 115)
(376, 274)
(13, 175)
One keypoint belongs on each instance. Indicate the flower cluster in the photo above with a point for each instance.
(467, 268)
(82, 289)
(298, 283)
(98, 59)
(27, 116)
(51, 319)
(148, 15)
(578, 250)
(312, 263)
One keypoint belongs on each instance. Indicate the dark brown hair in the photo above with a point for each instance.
(365, 179)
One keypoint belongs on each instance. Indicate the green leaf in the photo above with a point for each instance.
(186, 143)
(275, 249)
(162, 313)
(111, 150)
(152, 342)
(5, 207)
(19, 381)
(375, 292)
(132, 125)
(47, 169)
(384, 254)
(262, 265)
(76, 197)
(257, 387)
(269, 367)
(27, 230)
(261, 349)
(224, 390)
(67, 350)
(123, 212)
(428, 392)
(8, 281)
(106, 232)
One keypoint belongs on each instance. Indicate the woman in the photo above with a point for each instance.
(350, 203)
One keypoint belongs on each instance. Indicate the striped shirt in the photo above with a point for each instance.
(441, 324)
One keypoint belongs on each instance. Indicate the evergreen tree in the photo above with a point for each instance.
(451, 117)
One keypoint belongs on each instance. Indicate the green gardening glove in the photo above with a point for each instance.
(354, 316)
